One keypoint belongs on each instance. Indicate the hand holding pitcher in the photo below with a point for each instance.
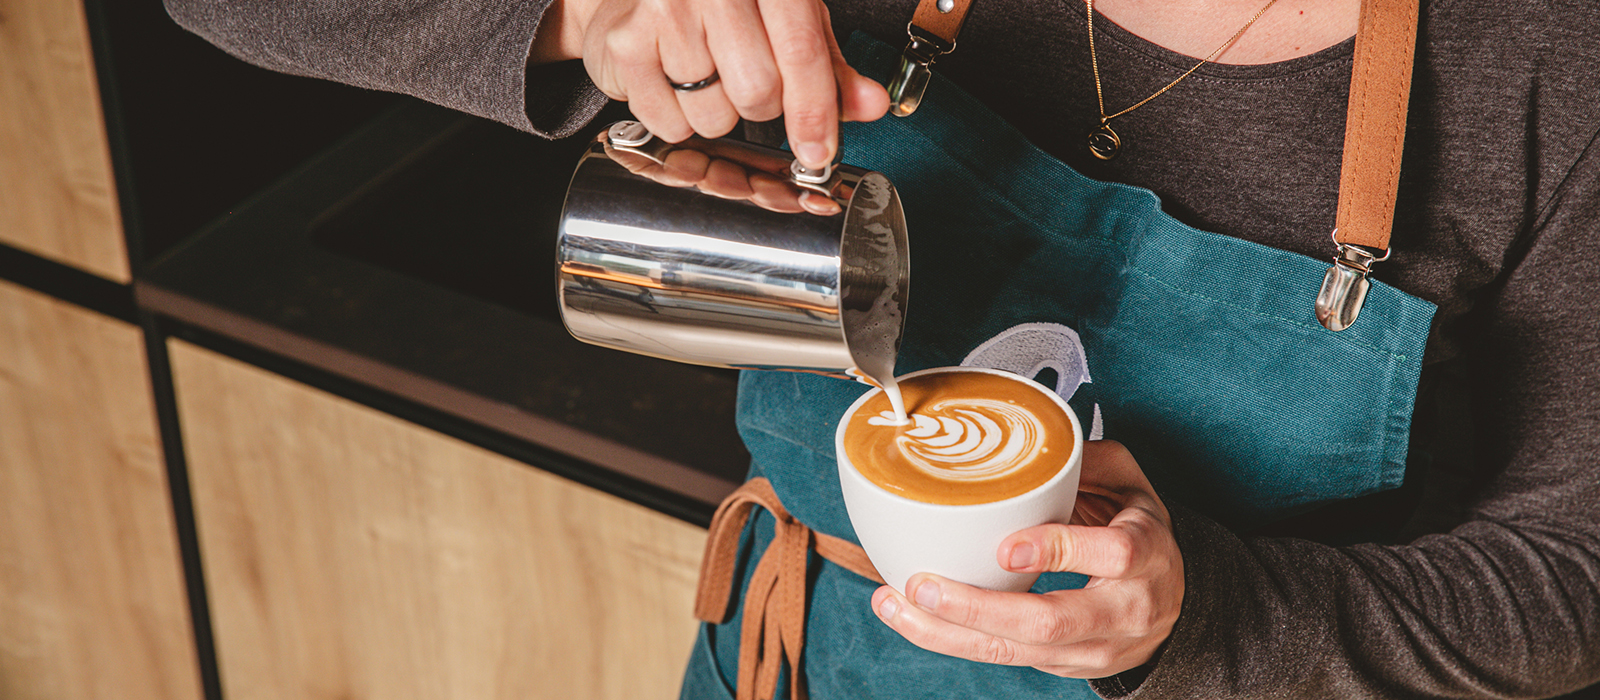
(691, 67)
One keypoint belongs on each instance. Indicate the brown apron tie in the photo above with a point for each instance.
(775, 603)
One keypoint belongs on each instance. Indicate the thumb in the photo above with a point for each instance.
(861, 99)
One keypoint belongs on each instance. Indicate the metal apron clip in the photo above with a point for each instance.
(931, 33)
(911, 81)
(1344, 288)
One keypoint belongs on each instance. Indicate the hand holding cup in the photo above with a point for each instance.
(1120, 536)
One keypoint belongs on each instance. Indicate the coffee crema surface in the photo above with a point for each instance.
(973, 438)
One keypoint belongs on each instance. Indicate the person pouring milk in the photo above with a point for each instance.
(1133, 200)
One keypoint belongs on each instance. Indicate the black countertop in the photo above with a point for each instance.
(417, 258)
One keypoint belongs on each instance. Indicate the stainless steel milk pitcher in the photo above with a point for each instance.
(700, 252)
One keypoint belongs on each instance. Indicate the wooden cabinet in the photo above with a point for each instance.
(350, 554)
(347, 554)
(57, 197)
(92, 601)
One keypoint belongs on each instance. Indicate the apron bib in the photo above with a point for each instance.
(1199, 352)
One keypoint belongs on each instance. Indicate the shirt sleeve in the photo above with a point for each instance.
(1506, 604)
(470, 56)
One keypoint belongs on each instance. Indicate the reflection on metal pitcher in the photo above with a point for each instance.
(707, 252)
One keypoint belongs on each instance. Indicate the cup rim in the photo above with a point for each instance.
(1075, 457)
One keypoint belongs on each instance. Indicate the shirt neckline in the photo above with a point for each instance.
(1222, 72)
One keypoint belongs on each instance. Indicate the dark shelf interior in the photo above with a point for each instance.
(195, 131)
(476, 213)
(403, 250)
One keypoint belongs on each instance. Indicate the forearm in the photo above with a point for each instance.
(473, 57)
(1492, 610)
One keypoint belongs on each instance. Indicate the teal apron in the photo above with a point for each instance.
(1198, 351)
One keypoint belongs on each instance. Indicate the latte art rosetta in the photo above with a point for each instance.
(968, 439)
(972, 437)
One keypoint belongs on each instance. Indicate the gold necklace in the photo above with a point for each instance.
(1103, 142)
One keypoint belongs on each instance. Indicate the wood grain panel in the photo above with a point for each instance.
(350, 554)
(57, 195)
(92, 603)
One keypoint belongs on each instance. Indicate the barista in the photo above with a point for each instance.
(1479, 578)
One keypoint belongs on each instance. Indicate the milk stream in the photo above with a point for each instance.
(891, 389)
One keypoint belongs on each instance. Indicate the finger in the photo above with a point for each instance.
(603, 74)
(652, 101)
(708, 111)
(738, 44)
(681, 42)
(937, 635)
(1130, 545)
(798, 34)
(605, 48)
(818, 204)
(1109, 482)
(1092, 508)
(781, 195)
(686, 59)
(1061, 617)
(774, 194)
(861, 99)
(684, 167)
(635, 163)
(1108, 463)
(726, 180)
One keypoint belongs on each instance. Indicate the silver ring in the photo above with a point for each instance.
(697, 85)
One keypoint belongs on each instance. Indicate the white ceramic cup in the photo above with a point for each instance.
(959, 542)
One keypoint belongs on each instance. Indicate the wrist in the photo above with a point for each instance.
(560, 33)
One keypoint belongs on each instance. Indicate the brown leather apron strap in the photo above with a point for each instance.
(1375, 121)
(1374, 142)
(942, 18)
(773, 630)
(848, 555)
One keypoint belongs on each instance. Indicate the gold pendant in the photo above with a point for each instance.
(1104, 143)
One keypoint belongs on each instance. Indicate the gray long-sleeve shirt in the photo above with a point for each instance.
(1491, 588)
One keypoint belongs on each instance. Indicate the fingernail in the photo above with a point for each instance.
(888, 608)
(928, 595)
(1023, 555)
(818, 204)
(814, 155)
